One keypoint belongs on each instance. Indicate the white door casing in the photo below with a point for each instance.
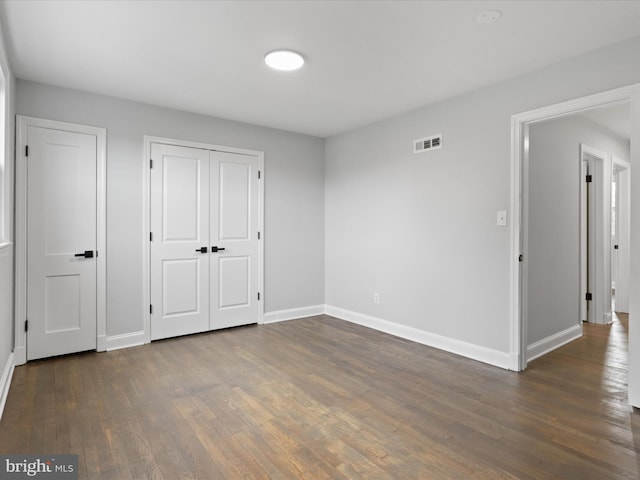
(60, 213)
(205, 254)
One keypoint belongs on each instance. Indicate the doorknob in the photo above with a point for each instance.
(202, 250)
(85, 254)
(217, 249)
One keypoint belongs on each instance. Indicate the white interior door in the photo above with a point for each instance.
(584, 243)
(180, 241)
(234, 239)
(596, 195)
(622, 238)
(590, 241)
(61, 242)
(204, 248)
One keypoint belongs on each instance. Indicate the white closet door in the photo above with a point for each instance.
(62, 226)
(234, 239)
(180, 246)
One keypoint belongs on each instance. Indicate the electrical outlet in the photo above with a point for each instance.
(376, 297)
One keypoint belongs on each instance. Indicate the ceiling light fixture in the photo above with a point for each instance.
(286, 60)
(489, 16)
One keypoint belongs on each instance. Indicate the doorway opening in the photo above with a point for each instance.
(595, 234)
(539, 238)
(620, 237)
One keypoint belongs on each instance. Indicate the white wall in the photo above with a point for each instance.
(294, 195)
(421, 229)
(554, 219)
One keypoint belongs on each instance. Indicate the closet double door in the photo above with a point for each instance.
(204, 240)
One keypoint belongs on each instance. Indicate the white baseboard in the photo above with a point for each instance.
(101, 343)
(293, 313)
(20, 356)
(5, 381)
(459, 347)
(125, 340)
(514, 362)
(552, 342)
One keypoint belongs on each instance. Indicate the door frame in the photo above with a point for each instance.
(22, 125)
(599, 223)
(519, 159)
(146, 215)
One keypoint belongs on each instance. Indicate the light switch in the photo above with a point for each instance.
(502, 219)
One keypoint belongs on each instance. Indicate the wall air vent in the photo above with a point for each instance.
(428, 143)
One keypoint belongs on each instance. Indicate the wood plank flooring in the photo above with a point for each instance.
(320, 398)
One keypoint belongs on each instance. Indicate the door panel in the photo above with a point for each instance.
(234, 227)
(180, 286)
(234, 281)
(182, 197)
(62, 303)
(234, 198)
(61, 221)
(180, 223)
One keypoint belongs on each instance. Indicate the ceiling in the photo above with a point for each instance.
(616, 119)
(366, 60)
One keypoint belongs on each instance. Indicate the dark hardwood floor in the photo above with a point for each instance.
(321, 398)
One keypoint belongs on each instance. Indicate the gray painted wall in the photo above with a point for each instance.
(6, 306)
(554, 219)
(634, 280)
(6, 255)
(294, 195)
(421, 229)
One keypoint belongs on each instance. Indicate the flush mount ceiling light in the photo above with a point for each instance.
(489, 16)
(286, 60)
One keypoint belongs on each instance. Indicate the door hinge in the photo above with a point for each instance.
(26, 325)
(615, 247)
(26, 150)
(258, 296)
(589, 178)
(589, 297)
(259, 174)
(520, 257)
(151, 236)
(151, 309)
(151, 163)
(258, 235)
